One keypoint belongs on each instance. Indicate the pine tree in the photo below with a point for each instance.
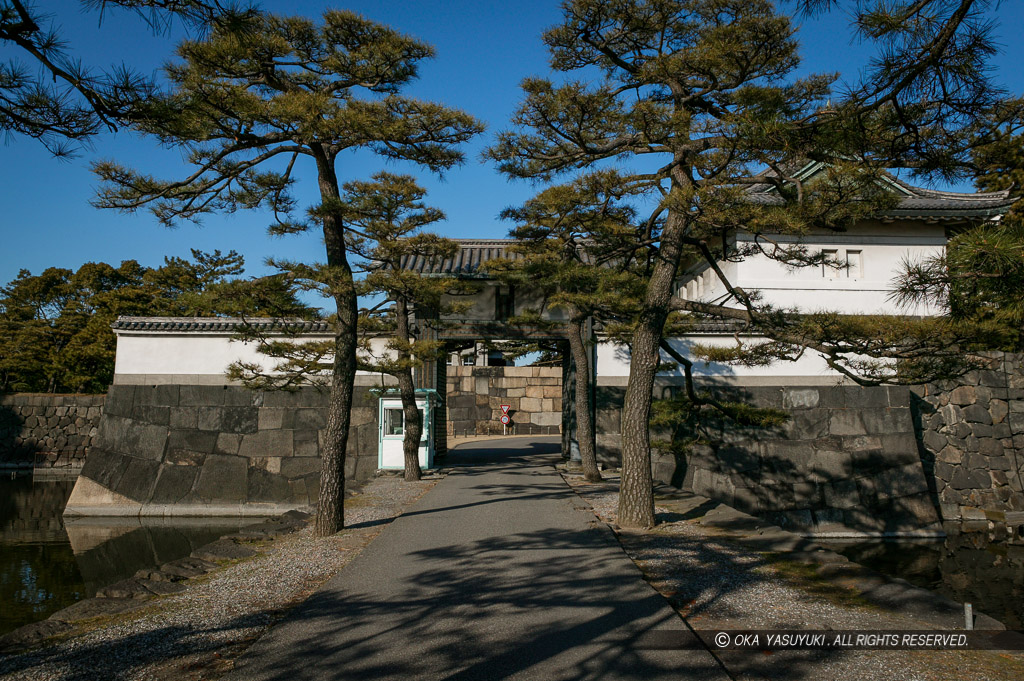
(389, 213)
(48, 95)
(245, 107)
(577, 250)
(698, 97)
(980, 275)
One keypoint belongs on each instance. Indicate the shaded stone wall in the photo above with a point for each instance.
(475, 396)
(846, 459)
(971, 438)
(47, 430)
(215, 450)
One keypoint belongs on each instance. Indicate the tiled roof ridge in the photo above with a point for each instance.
(798, 165)
(131, 323)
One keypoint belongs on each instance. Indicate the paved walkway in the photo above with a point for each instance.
(498, 573)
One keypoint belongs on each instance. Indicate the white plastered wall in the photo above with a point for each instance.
(156, 357)
(877, 250)
(613, 365)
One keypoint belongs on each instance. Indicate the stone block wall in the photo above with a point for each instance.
(846, 459)
(475, 396)
(215, 450)
(43, 430)
(971, 439)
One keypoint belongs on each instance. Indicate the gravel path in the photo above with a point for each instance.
(717, 584)
(197, 634)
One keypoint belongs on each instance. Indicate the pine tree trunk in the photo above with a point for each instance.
(584, 424)
(407, 389)
(330, 510)
(636, 494)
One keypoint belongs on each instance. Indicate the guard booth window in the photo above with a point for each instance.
(394, 422)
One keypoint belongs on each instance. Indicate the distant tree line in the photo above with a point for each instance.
(55, 333)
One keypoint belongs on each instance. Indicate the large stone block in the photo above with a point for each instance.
(899, 396)
(901, 448)
(976, 413)
(152, 441)
(807, 424)
(800, 398)
(841, 494)
(830, 465)
(933, 441)
(274, 418)
(846, 422)
(223, 479)
(240, 419)
(183, 418)
(546, 418)
(153, 414)
(305, 443)
(887, 421)
(209, 418)
(267, 487)
(138, 479)
(310, 419)
(362, 415)
(192, 440)
(869, 461)
(730, 458)
(104, 466)
(300, 466)
(201, 395)
(963, 395)
(120, 399)
(238, 396)
(531, 404)
(950, 454)
(227, 443)
(266, 443)
(173, 483)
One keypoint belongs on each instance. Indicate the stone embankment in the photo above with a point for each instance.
(722, 569)
(47, 430)
(971, 437)
(190, 618)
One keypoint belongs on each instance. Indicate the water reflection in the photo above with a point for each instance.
(46, 565)
(966, 567)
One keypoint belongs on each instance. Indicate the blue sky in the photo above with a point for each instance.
(484, 49)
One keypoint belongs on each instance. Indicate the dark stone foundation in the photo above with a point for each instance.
(845, 461)
(215, 450)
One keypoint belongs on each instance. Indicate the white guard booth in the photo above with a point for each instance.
(390, 455)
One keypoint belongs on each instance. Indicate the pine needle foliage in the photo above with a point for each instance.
(49, 95)
(694, 101)
(247, 108)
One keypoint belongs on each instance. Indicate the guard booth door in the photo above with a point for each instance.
(392, 434)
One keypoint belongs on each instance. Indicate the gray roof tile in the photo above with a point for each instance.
(218, 324)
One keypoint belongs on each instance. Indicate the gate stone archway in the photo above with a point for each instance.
(493, 304)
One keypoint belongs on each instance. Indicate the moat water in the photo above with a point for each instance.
(47, 564)
(967, 567)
